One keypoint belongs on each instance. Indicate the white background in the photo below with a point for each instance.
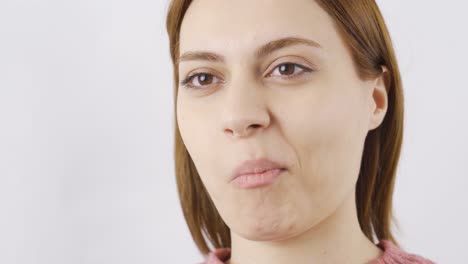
(86, 132)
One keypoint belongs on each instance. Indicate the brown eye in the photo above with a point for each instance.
(198, 80)
(290, 70)
(287, 68)
(204, 79)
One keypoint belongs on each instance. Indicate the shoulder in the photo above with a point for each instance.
(394, 254)
(391, 255)
(219, 256)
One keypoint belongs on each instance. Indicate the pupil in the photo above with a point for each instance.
(285, 68)
(203, 78)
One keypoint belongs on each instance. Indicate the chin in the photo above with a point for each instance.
(268, 231)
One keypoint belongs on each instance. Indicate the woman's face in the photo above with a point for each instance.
(302, 105)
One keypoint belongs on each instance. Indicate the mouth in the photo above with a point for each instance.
(257, 180)
(257, 173)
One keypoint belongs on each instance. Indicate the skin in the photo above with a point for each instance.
(316, 123)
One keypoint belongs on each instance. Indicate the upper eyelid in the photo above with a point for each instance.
(191, 76)
(287, 59)
(297, 64)
(304, 68)
(283, 59)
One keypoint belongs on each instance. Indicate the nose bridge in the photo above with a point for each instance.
(244, 104)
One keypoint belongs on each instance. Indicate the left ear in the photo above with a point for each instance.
(378, 99)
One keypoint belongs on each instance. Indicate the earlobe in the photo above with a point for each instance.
(379, 99)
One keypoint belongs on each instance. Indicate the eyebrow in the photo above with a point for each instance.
(261, 52)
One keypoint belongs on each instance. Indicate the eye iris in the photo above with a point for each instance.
(204, 79)
(287, 68)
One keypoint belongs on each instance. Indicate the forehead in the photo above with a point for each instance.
(233, 27)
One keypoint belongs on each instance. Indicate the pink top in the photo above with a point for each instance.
(392, 255)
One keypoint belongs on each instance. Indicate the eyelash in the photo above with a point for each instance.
(186, 81)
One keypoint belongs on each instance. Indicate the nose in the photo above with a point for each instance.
(245, 109)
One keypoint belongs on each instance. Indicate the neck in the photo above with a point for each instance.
(337, 239)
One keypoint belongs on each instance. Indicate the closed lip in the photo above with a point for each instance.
(256, 166)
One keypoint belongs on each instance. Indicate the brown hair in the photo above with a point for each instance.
(361, 24)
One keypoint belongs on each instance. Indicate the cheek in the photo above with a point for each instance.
(327, 138)
(195, 136)
(195, 125)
